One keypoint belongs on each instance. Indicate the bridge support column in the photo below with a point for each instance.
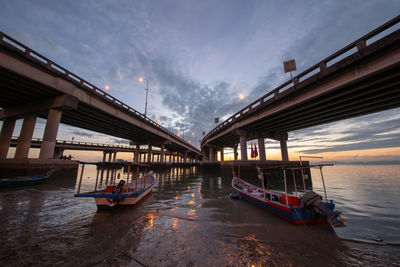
(162, 153)
(261, 146)
(243, 147)
(50, 134)
(284, 150)
(149, 153)
(109, 156)
(104, 156)
(235, 153)
(185, 157)
(222, 153)
(114, 156)
(137, 153)
(25, 137)
(5, 136)
(211, 153)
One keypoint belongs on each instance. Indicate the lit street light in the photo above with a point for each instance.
(141, 79)
(243, 96)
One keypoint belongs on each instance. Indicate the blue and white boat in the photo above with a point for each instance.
(122, 193)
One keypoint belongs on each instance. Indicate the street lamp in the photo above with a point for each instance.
(141, 79)
(243, 96)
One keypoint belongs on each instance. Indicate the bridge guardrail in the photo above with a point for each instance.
(59, 70)
(320, 67)
(68, 142)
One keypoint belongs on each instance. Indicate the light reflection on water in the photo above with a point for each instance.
(190, 220)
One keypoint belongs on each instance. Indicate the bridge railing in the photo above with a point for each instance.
(320, 67)
(59, 70)
(69, 142)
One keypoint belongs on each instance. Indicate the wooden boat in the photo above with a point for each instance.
(122, 193)
(25, 180)
(302, 208)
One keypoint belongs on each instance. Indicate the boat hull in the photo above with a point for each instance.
(6, 183)
(25, 181)
(296, 215)
(109, 198)
(105, 201)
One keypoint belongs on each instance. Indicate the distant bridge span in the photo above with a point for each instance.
(109, 150)
(360, 79)
(33, 86)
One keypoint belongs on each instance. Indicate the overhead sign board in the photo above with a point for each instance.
(289, 65)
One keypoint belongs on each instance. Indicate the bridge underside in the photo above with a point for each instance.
(18, 90)
(326, 97)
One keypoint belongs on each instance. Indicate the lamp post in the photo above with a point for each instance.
(141, 79)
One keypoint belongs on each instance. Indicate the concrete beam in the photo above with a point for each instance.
(59, 102)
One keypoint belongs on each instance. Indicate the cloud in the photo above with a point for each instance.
(81, 133)
(121, 141)
(379, 130)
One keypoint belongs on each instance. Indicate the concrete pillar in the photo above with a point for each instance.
(185, 157)
(235, 153)
(222, 153)
(170, 156)
(211, 153)
(243, 147)
(114, 156)
(284, 150)
(104, 156)
(162, 155)
(137, 151)
(50, 134)
(25, 137)
(109, 156)
(261, 146)
(149, 149)
(5, 136)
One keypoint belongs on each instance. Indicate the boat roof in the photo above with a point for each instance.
(291, 167)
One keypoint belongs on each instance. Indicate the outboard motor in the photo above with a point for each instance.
(313, 201)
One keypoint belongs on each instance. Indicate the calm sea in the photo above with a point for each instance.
(189, 220)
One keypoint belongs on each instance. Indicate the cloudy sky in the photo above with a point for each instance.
(198, 56)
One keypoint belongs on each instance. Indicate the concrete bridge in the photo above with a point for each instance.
(110, 151)
(361, 78)
(33, 86)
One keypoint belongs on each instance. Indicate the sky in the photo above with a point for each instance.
(198, 56)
